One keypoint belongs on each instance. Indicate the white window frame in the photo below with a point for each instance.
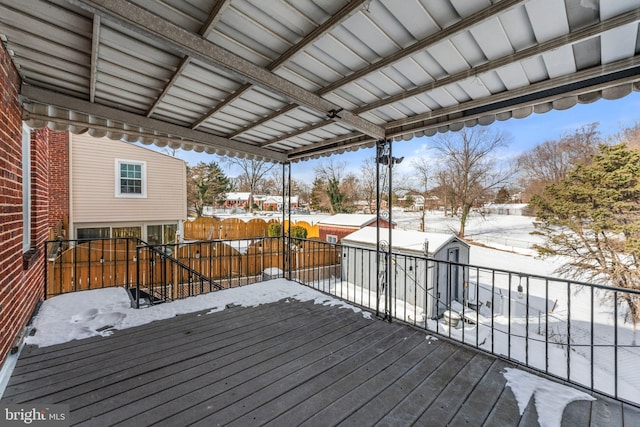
(332, 238)
(26, 188)
(143, 168)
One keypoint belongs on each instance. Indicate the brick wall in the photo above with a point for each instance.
(58, 180)
(21, 278)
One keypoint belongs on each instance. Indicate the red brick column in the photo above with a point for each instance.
(21, 277)
(59, 189)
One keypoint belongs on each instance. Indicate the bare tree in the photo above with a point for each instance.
(369, 183)
(350, 190)
(318, 198)
(423, 169)
(551, 161)
(468, 166)
(252, 173)
(630, 135)
(332, 173)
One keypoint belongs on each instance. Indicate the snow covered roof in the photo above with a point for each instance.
(278, 199)
(349, 220)
(238, 196)
(401, 239)
(244, 196)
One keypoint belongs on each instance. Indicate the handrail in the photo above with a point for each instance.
(192, 273)
(536, 321)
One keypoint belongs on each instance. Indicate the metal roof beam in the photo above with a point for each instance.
(206, 28)
(310, 38)
(140, 20)
(95, 43)
(567, 39)
(564, 40)
(444, 34)
(536, 93)
(214, 17)
(70, 103)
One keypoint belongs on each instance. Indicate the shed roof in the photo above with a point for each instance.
(288, 80)
(349, 220)
(408, 240)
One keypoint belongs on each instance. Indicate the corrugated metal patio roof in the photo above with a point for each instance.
(286, 80)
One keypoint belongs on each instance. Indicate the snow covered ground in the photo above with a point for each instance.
(583, 325)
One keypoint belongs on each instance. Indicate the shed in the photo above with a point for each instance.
(419, 280)
(335, 227)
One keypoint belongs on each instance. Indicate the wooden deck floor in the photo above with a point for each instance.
(281, 364)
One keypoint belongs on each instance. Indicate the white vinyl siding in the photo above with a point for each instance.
(94, 200)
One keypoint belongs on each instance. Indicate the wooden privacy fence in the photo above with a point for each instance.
(313, 231)
(205, 228)
(229, 228)
(74, 266)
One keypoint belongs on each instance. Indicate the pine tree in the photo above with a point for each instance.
(592, 217)
(503, 196)
(206, 183)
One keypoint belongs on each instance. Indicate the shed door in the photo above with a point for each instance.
(453, 274)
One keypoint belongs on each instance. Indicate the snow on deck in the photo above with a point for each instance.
(302, 358)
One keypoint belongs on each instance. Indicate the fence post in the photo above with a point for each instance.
(137, 261)
(46, 268)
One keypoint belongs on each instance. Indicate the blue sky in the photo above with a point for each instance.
(525, 134)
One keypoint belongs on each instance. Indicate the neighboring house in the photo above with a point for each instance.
(335, 227)
(417, 202)
(120, 190)
(410, 266)
(274, 203)
(264, 203)
(237, 200)
(505, 209)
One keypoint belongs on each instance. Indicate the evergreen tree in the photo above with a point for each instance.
(592, 217)
(503, 196)
(206, 183)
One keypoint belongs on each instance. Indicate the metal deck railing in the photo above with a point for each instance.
(571, 330)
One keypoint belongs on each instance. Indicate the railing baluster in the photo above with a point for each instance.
(509, 320)
(493, 308)
(546, 326)
(137, 276)
(526, 332)
(568, 331)
(615, 344)
(185, 275)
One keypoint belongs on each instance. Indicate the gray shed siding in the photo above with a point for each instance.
(419, 282)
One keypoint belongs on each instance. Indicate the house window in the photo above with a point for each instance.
(120, 232)
(332, 238)
(154, 234)
(26, 188)
(170, 231)
(93, 233)
(161, 234)
(131, 179)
